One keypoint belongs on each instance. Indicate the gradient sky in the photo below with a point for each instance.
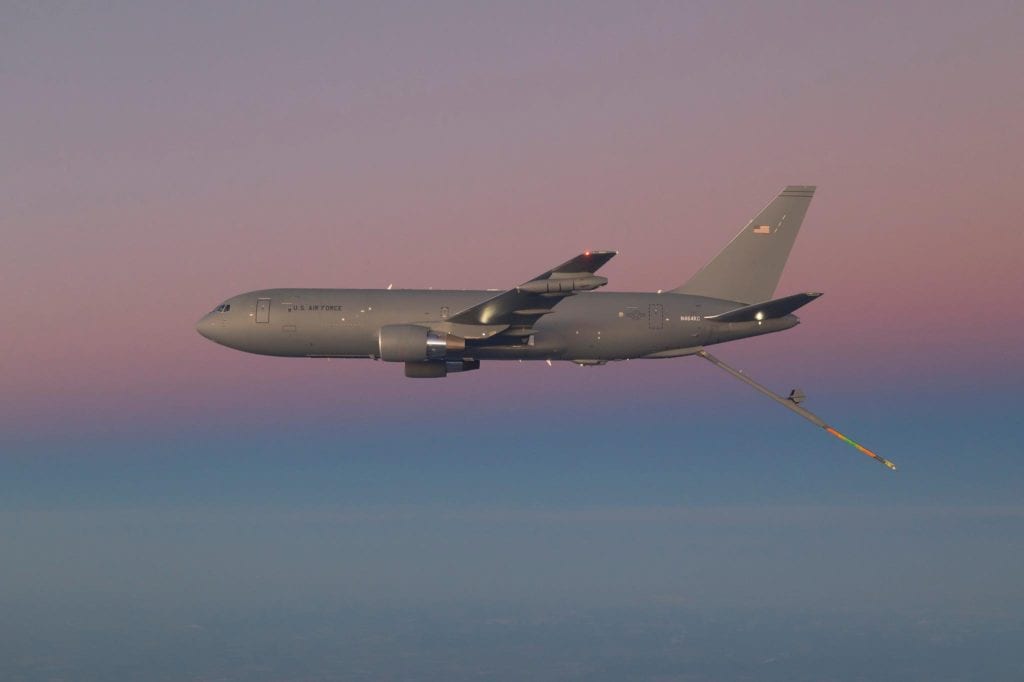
(158, 158)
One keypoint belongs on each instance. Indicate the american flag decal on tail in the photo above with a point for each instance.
(763, 229)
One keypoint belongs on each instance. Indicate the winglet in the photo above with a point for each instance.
(587, 262)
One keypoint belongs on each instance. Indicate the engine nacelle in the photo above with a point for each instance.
(426, 370)
(435, 369)
(413, 343)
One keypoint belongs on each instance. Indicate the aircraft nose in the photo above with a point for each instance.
(206, 328)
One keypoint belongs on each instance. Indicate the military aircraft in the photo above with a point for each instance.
(556, 315)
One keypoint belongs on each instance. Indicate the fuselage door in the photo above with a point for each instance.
(263, 310)
(655, 316)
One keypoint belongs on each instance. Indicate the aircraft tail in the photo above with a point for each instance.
(769, 310)
(749, 268)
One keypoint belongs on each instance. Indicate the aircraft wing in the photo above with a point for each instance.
(519, 308)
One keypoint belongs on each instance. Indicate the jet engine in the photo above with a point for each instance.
(413, 343)
(435, 369)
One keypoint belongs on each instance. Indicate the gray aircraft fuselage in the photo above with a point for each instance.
(557, 315)
(588, 327)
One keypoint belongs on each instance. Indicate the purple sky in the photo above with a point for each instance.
(157, 158)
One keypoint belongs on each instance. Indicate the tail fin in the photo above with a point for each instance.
(749, 268)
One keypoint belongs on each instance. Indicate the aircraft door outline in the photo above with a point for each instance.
(655, 316)
(263, 311)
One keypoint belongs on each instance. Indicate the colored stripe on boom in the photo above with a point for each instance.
(860, 447)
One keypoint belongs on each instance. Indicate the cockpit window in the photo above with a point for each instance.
(222, 308)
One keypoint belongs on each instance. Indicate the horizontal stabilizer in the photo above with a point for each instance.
(769, 310)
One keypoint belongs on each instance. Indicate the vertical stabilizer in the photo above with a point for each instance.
(749, 268)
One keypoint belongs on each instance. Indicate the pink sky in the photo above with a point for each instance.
(157, 161)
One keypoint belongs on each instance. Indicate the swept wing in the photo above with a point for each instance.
(520, 307)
